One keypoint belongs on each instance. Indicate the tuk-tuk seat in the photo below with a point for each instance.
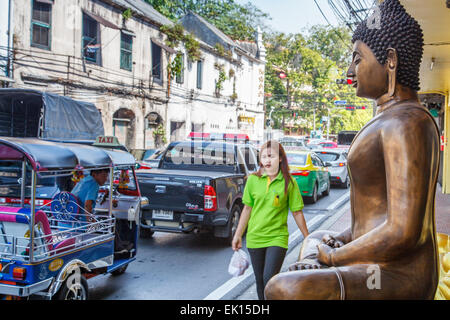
(64, 245)
(40, 219)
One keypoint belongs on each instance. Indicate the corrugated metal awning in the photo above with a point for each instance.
(45, 1)
(162, 45)
(101, 20)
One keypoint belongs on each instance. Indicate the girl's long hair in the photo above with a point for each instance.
(284, 167)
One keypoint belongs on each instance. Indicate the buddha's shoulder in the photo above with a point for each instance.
(409, 111)
(407, 120)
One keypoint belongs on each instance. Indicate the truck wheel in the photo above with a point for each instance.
(145, 233)
(120, 271)
(227, 232)
(73, 290)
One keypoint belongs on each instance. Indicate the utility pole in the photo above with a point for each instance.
(314, 114)
(328, 123)
(288, 101)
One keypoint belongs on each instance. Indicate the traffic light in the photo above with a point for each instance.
(282, 75)
(362, 107)
(344, 81)
(351, 108)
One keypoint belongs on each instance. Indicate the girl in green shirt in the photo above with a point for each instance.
(268, 195)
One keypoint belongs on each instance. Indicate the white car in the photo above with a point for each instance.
(338, 165)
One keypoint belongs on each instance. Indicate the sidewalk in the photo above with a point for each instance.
(342, 222)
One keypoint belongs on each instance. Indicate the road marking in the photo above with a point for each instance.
(339, 201)
(235, 281)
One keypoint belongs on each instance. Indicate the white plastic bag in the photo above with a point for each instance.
(239, 263)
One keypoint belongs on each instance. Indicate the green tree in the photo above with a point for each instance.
(312, 63)
(235, 20)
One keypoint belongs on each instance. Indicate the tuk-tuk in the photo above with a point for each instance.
(50, 249)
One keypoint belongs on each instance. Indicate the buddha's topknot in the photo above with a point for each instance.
(395, 29)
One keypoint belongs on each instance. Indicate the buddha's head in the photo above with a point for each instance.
(387, 52)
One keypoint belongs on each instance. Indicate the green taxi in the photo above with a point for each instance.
(310, 173)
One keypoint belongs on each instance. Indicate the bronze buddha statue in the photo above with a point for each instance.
(393, 165)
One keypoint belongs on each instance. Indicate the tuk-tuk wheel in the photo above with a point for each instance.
(145, 233)
(120, 271)
(73, 290)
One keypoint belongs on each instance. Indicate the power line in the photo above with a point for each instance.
(337, 33)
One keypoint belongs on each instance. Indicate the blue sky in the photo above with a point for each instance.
(291, 16)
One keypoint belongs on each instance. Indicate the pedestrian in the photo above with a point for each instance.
(268, 195)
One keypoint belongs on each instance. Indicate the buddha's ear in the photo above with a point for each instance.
(391, 65)
(392, 59)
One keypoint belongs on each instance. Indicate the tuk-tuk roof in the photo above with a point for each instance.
(48, 155)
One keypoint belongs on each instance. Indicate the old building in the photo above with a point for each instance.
(114, 54)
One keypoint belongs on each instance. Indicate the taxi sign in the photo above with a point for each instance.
(107, 141)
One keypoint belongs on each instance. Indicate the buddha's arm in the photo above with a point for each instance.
(408, 156)
(345, 236)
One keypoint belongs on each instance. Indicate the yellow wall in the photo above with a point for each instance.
(446, 164)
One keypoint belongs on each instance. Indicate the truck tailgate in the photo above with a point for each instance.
(173, 192)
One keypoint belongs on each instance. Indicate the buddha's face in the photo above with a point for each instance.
(370, 78)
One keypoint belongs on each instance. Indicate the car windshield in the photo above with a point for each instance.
(324, 156)
(327, 145)
(214, 154)
(292, 143)
(148, 154)
(314, 146)
(296, 159)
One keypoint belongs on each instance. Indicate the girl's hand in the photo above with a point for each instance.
(236, 244)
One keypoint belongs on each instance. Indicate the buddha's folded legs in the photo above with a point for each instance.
(353, 282)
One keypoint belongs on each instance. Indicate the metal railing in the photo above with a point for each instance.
(66, 235)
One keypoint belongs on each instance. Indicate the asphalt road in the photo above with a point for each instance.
(173, 266)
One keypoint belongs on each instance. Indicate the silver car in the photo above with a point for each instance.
(338, 165)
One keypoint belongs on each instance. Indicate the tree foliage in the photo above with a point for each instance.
(312, 62)
(235, 20)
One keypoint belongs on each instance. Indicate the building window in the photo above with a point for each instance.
(41, 23)
(91, 39)
(126, 51)
(156, 61)
(199, 73)
(180, 76)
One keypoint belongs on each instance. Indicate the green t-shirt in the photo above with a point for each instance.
(267, 226)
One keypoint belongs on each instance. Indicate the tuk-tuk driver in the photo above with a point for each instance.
(87, 189)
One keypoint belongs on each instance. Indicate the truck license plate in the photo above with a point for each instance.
(162, 214)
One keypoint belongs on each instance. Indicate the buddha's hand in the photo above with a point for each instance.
(305, 264)
(331, 241)
(324, 254)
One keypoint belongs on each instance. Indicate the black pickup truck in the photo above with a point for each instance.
(198, 185)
